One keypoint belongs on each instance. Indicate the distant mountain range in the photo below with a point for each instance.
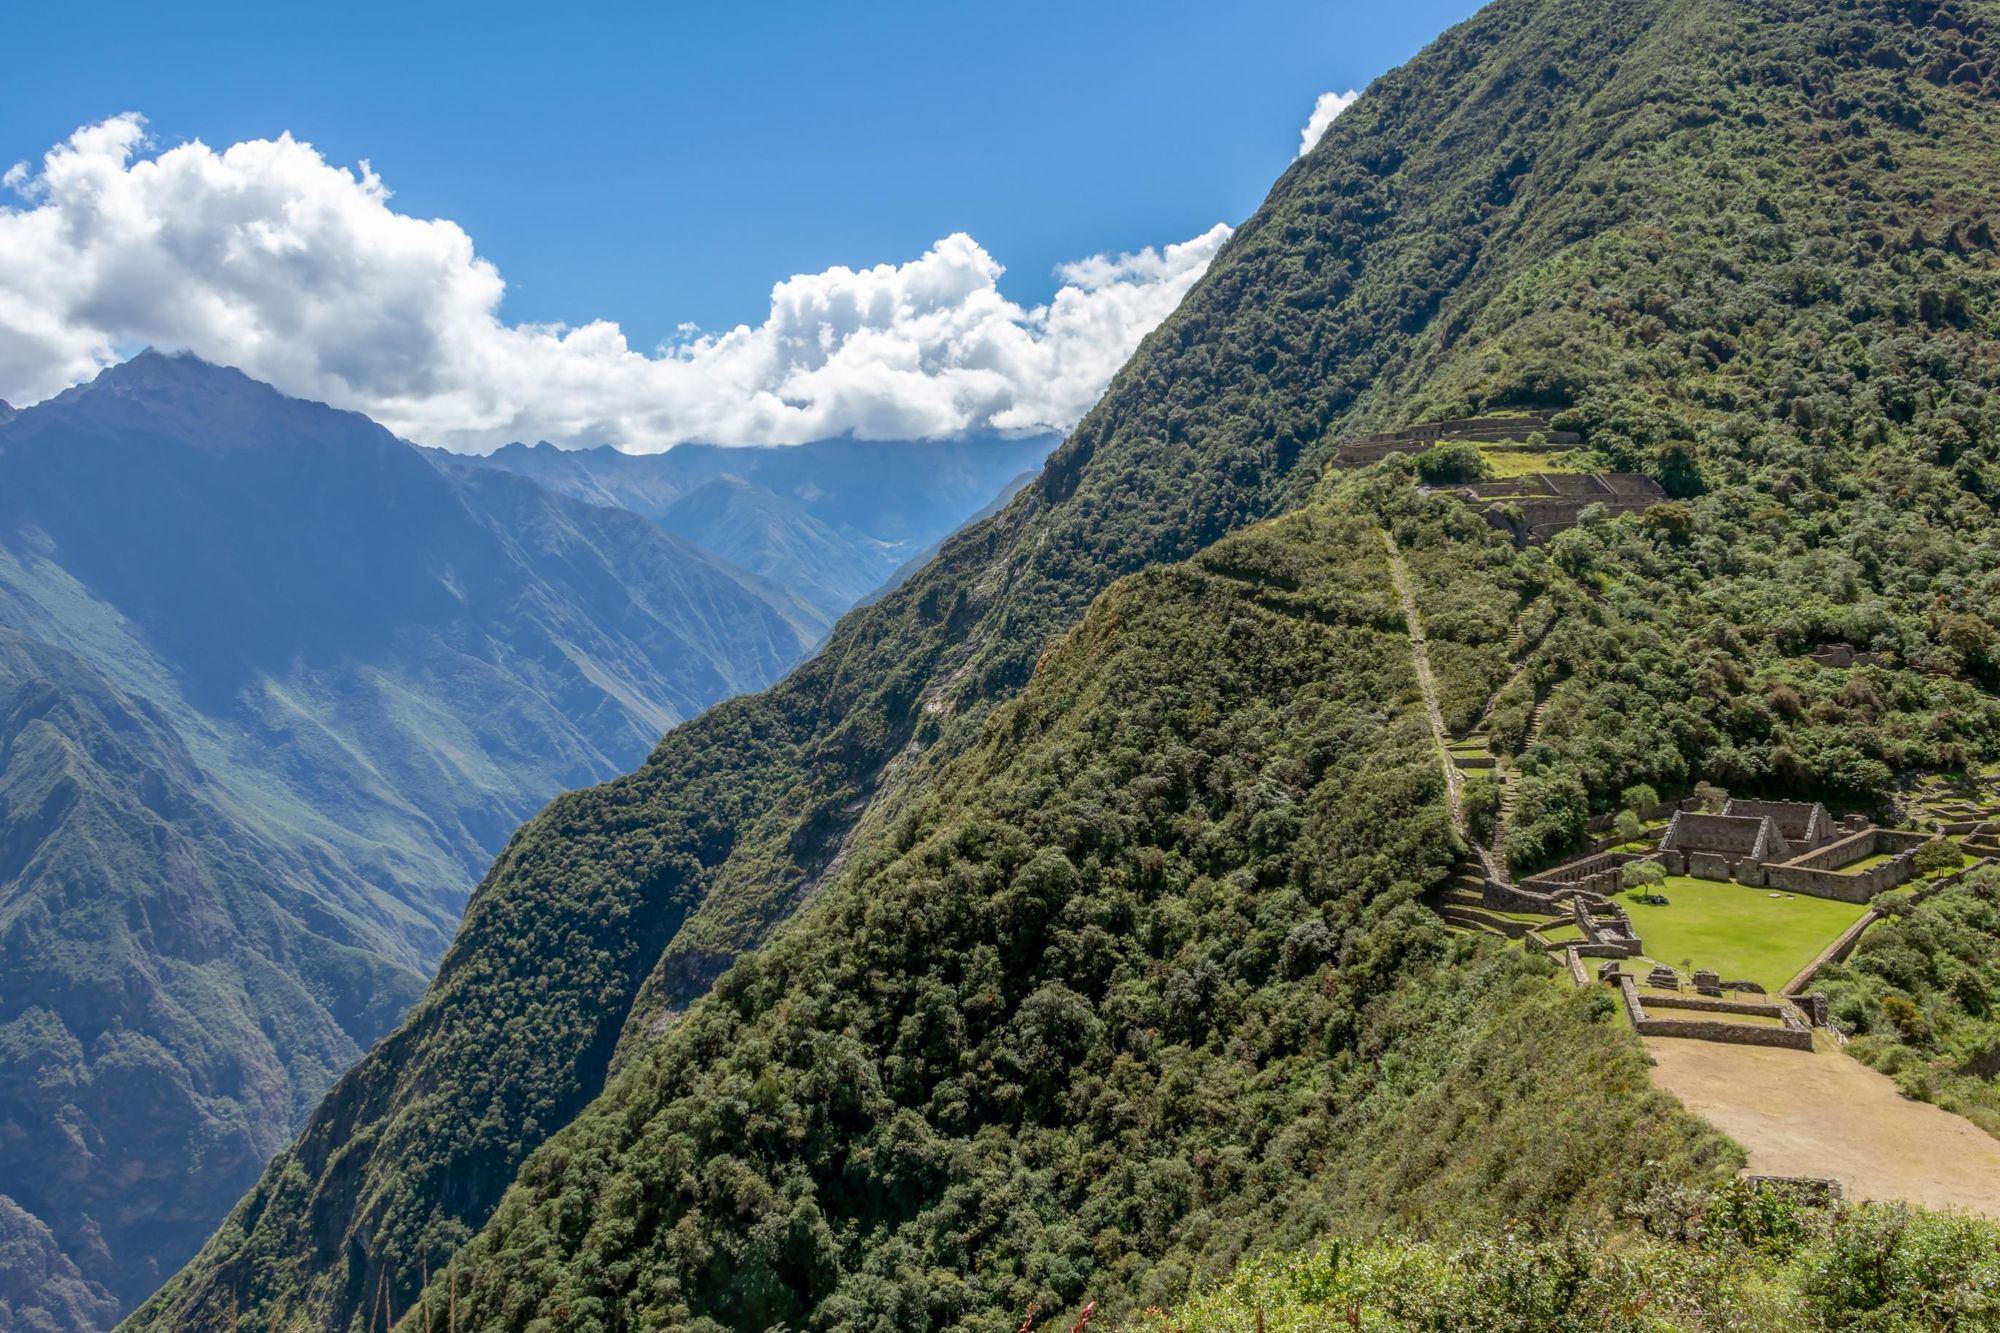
(275, 687)
(830, 522)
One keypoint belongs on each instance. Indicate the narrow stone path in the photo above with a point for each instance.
(1454, 781)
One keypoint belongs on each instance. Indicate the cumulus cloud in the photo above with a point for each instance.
(267, 257)
(1325, 111)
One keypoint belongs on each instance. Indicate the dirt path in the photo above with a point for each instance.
(1827, 1114)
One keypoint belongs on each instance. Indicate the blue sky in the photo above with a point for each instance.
(658, 164)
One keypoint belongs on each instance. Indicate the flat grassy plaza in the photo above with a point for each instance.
(1742, 933)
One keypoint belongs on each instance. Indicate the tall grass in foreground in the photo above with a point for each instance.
(1736, 1260)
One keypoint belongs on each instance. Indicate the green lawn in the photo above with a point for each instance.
(1506, 464)
(1740, 932)
(1509, 463)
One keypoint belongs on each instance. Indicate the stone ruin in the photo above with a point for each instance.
(1515, 432)
(1535, 507)
(1712, 1019)
(1529, 508)
(1840, 656)
(1790, 846)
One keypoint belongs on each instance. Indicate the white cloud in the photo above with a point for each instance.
(267, 257)
(1325, 111)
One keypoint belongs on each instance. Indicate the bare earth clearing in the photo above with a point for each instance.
(1826, 1114)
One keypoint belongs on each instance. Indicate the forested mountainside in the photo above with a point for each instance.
(1109, 967)
(177, 986)
(830, 521)
(274, 689)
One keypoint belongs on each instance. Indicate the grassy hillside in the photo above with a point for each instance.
(1743, 246)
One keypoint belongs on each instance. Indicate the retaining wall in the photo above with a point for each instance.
(1790, 1037)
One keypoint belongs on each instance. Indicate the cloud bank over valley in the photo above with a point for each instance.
(265, 256)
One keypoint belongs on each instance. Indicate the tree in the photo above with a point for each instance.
(1642, 874)
(1937, 856)
(1450, 464)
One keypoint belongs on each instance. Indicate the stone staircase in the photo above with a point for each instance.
(1462, 904)
(1509, 778)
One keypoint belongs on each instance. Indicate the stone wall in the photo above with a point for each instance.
(1572, 874)
(1709, 1005)
(1518, 898)
(1858, 846)
(1844, 852)
(1857, 886)
(1802, 822)
(1793, 1036)
(1710, 865)
(1732, 835)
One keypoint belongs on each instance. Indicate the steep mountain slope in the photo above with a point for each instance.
(830, 520)
(176, 988)
(273, 689)
(40, 1289)
(1141, 982)
(749, 526)
(1747, 247)
(916, 562)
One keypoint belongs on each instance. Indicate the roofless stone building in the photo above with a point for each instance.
(1789, 845)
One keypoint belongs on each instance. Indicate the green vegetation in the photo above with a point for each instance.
(1447, 464)
(1919, 993)
(1939, 856)
(1097, 1031)
(1742, 933)
(1649, 875)
(1112, 970)
(1505, 464)
(1739, 1262)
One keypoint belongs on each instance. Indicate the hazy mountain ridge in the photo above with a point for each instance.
(829, 521)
